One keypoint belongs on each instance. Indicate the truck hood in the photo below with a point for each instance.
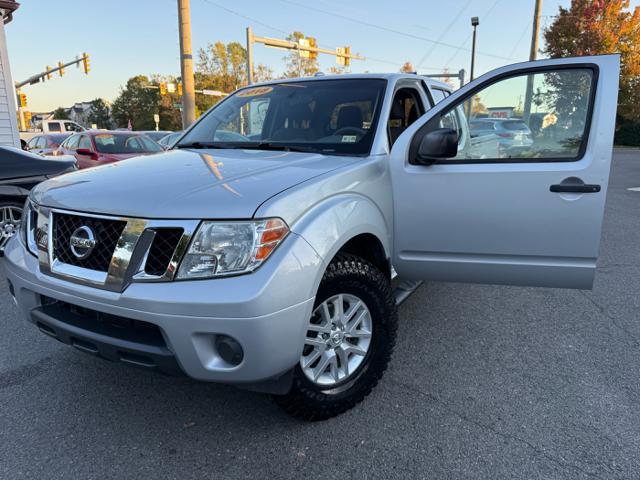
(185, 184)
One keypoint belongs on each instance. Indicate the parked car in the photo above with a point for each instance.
(269, 262)
(50, 126)
(155, 135)
(20, 171)
(97, 147)
(46, 144)
(512, 134)
(168, 140)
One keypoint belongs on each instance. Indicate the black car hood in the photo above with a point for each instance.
(16, 163)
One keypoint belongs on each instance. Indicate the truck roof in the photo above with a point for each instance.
(386, 76)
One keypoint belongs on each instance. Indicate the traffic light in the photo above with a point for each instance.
(27, 118)
(180, 89)
(22, 100)
(61, 67)
(347, 60)
(86, 63)
(313, 44)
(48, 72)
(163, 88)
(304, 42)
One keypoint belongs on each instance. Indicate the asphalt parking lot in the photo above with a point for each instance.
(486, 382)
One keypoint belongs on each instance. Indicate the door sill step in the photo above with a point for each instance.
(402, 289)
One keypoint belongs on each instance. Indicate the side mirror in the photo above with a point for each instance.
(87, 152)
(436, 145)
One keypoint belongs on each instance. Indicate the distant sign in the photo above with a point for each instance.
(501, 112)
(213, 93)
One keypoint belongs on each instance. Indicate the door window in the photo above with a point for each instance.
(42, 142)
(72, 127)
(438, 94)
(32, 143)
(84, 142)
(540, 116)
(72, 142)
(54, 127)
(406, 108)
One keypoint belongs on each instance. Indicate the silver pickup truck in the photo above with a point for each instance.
(261, 250)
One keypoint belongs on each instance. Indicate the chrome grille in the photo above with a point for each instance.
(107, 233)
(124, 250)
(162, 249)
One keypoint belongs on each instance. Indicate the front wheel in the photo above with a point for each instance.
(349, 341)
(10, 216)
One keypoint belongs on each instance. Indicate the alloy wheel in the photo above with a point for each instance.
(337, 340)
(10, 216)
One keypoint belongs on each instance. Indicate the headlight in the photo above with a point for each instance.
(231, 248)
(28, 227)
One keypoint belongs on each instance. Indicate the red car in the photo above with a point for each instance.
(93, 148)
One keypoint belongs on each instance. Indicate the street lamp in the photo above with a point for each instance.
(474, 23)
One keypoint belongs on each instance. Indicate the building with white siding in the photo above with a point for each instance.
(9, 134)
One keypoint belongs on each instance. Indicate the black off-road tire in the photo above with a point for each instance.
(353, 275)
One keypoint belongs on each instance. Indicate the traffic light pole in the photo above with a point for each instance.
(33, 79)
(460, 76)
(341, 53)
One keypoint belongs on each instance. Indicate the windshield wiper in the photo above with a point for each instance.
(200, 145)
(277, 147)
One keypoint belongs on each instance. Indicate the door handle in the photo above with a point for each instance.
(574, 188)
(574, 185)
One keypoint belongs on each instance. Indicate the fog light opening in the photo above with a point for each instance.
(229, 350)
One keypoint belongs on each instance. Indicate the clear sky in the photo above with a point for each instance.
(129, 37)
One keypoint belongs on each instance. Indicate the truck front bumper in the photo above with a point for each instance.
(176, 326)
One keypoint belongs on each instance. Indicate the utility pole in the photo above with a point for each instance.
(186, 64)
(533, 53)
(249, 55)
(474, 23)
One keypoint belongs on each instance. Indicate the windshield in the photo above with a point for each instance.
(327, 116)
(123, 143)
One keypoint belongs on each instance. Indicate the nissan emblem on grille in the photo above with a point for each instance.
(82, 242)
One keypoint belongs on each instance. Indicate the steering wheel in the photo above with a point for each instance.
(356, 130)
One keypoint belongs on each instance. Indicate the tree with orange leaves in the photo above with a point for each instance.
(596, 27)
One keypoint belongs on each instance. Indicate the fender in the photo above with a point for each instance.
(13, 191)
(331, 223)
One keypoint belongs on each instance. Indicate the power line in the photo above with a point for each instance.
(246, 17)
(517, 44)
(390, 30)
(455, 54)
(444, 32)
(276, 29)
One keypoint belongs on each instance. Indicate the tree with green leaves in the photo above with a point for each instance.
(296, 64)
(137, 103)
(99, 114)
(220, 67)
(60, 114)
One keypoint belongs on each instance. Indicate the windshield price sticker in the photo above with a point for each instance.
(349, 139)
(253, 92)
